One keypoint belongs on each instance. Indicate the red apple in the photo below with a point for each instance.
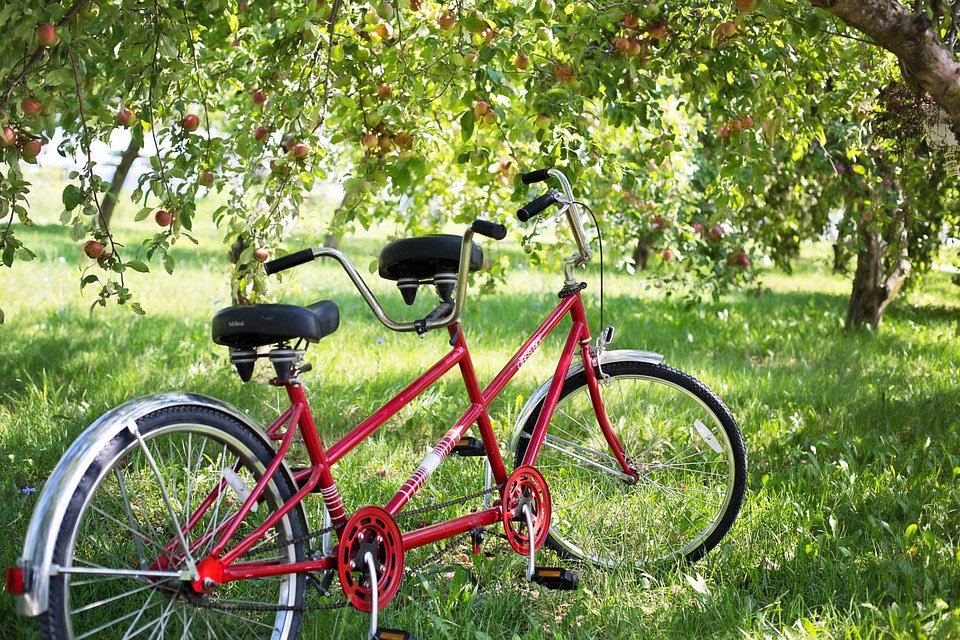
(630, 21)
(698, 227)
(470, 61)
(31, 148)
(887, 183)
(727, 29)
(288, 142)
(126, 117)
(748, 122)
(717, 232)
(369, 141)
(480, 108)
(261, 255)
(300, 151)
(667, 255)
(235, 43)
(659, 32)
(522, 62)
(163, 218)
(8, 137)
(564, 74)
(489, 117)
(740, 259)
(384, 90)
(259, 97)
(47, 35)
(93, 249)
(745, 6)
(260, 133)
(635, 48)
(190, 122)
(622, 45)
(31, 106)
(206, 178)
(447, 22)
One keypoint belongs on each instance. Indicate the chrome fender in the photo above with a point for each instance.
(607, 357)
(37, 557)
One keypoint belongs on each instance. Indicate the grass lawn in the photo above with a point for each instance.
(851, 523)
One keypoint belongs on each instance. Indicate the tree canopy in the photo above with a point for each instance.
(704, 134)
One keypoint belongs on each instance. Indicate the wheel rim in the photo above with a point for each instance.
(684, 487)
(124, 525)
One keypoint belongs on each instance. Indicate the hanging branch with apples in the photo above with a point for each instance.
(707, 135)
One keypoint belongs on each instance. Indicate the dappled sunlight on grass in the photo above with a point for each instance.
(849, 524)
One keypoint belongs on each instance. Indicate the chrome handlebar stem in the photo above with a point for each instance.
(584, 255)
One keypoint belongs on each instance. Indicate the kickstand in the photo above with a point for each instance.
(530, 562)
(374, 596)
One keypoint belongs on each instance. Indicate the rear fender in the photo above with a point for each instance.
(37, 558)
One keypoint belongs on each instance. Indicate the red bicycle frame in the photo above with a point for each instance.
(221, 566)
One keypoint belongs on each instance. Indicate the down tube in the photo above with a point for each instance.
(578, 333)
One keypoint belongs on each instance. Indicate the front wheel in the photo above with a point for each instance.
(681, 441)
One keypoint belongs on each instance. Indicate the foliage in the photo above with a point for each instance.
(426, 112)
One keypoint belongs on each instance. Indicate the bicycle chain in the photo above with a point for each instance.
(409, 572)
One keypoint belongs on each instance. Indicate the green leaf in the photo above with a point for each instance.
(142, 214)
(466, 125)
(138, 265)
(72, 197)
(137, 309)
(169, 263)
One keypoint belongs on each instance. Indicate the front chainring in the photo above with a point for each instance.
(370, 529)
(525, 486)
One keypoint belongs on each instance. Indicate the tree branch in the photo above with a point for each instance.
(38, 53)
(927, 60)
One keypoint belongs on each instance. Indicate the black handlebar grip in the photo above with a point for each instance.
(535, 176)
(538, 205)
(489, 229)
(288, 261)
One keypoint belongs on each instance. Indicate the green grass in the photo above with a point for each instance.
(851, 523)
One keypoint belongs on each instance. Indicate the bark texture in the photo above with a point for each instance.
(909, 36)
(876, 284)
(116, 184)
(641, 254)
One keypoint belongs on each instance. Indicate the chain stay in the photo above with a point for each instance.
(409, 572)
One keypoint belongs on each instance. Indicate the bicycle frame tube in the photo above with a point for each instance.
(299, 418)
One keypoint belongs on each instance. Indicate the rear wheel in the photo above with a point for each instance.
(118, 545)
(681, 440)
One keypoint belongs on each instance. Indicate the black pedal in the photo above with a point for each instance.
(394, 634)
(556, 578)
(468, 447)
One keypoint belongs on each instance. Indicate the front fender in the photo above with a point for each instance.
(617, 355)
(44, 528)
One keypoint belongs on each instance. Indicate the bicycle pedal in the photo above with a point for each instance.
(394, 634)
(468, 447)
(556, 578)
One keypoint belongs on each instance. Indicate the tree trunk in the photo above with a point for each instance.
(641, 254)
(236, 249)
(332, 240)
(873, 289)
(840, 257)
(909, 36)
(116, 183)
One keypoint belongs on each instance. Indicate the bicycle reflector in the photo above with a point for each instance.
(13, 582)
